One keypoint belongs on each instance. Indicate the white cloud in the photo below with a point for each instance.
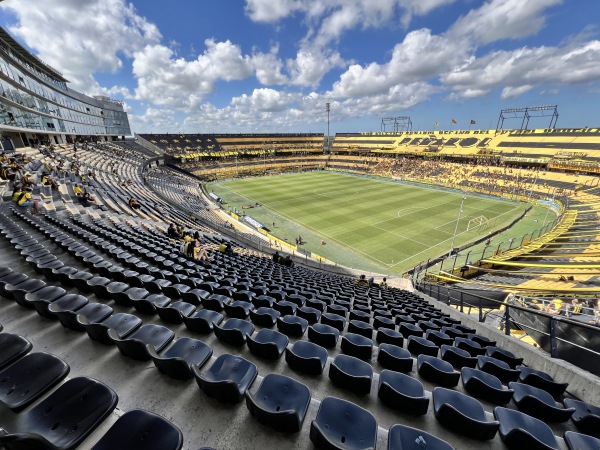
(96, 34)
(311, 64)
(502, 19)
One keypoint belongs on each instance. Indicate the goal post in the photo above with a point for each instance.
(478, 223)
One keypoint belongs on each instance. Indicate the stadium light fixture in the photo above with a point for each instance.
(328, 109)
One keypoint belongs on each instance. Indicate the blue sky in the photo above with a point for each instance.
(271, 65)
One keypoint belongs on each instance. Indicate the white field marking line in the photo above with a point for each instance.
(410, 209)
(441, 242)
(399, 235)
(316, 232)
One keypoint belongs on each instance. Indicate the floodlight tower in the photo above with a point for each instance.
(328, 109)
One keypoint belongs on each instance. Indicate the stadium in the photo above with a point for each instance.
(393, 289)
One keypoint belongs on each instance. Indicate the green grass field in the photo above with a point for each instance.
(367, 224)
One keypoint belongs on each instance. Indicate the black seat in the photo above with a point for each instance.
(462, 414)
(402, 392)
(12, 347)
(485, 386)
(453, 332)
(151, 303)
(438, 338)
(323, 335)
(203, 321)
(194, 296)
(227, 379)
(408, 329)
(380, 322)
(64, 418)
(28, 378)
(47, 294)
(122, 324)
(130, 296)
(578, 441)
(521, 431)
(135, 344)
(539, 404)
(472, 347)
(312, 315)
(176, 311)
(306, 357)
(356, 345)
(504, 355)
(93, 312)
(389, 336)
(362, 328)
(586, 417)
(280, 402)
(352, 374)
(333, 320)
(141, 430)
(481, 340)
(264, 316)
(341, 424)
(541, 380)
(401, 437)
(238, 308)
(216, 302)
(457, 357)
(498, 368)
(421, 346)
(178, 359)
(267, 343)
(234, 331)
(263, 300)
(437, 371)
(69, 302)
(18, 292)
(292, 325)
(285, 308)
(395, 358)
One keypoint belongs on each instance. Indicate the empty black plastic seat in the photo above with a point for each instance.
(363, 328)
(408, 329)
(438, 338)
(285, 308)
(352, 374)
(498, 368)
(421, 346)
(521, 431)
(359, 314)
(462, 414)
(134, 345)
(14, 279)
(280, 402)
(472, 347)
(17, 292)
(453, 332)
(389, 336)
(227, 379)
(176, 311)
(93, 312)
(481, 340)
(341, 424)
(538, 403)
(395, 358)
(457, 357)
(504, 355)
(28, 378)
(267, 343)
(437, 371)
(69, 302)
(177, 360)
(216, 302)
(541, 380)
(64, 418)
(234, 331)
(122, 323)
(586, 417)
(323, 335)
(139, 429)
(312, 315)
(401, 437)
(203, 321)
(238, 308)
(306, 357)
(263, 300)
(264, 316)
(151, 303)
(402, 392)
(356, 345)
(578, 441)
(333, 320)
(292, 325)
(485, 386)
(194, 296)
(47, 293)
(12, 347)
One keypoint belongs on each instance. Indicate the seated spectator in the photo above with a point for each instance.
(575, 307)
(47, 180)
(225, 247)
(554, 307)
(6, 173)
(25, 200)
(77, 189)
(383, 284)
(17, 190)
(27, 180)
(287, 261)
(134, 203)
(362, 281)
(200, 253)
(87, 199)
(276, 257)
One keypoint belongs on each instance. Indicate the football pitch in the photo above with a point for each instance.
(366, 223)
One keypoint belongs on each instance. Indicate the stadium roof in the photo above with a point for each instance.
(26, 56)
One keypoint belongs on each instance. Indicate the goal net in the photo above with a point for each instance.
(478, 223)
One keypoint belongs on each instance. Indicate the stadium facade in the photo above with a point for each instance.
(36, 105)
